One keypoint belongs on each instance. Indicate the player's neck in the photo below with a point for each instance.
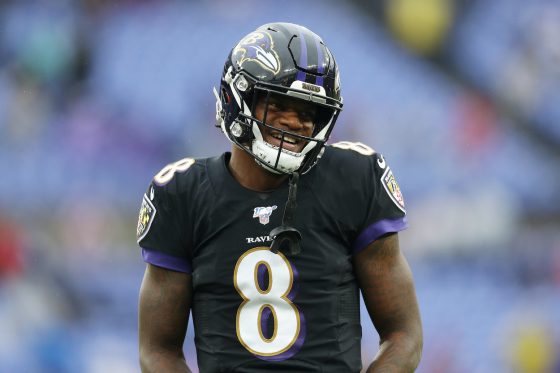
(250, 175)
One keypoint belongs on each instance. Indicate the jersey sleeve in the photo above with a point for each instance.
(161, 231)
(385, 204)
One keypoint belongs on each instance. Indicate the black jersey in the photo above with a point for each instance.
(253, 309)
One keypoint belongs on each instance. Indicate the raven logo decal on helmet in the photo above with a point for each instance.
(258, 47)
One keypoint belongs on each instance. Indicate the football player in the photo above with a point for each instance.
(269, 245)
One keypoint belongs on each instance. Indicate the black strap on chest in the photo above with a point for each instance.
(286, 238)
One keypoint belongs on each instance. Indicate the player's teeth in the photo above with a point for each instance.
(286, 139)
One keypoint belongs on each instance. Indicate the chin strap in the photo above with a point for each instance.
(286, 238)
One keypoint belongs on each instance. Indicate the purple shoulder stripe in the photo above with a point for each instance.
(166, 261)
(377, 230)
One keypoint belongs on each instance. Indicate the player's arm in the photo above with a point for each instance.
(165, 302)
(388, 290)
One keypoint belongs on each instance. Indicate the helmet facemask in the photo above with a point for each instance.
(250, 133)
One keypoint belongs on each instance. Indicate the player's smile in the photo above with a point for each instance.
(288, 114)
(290, 143)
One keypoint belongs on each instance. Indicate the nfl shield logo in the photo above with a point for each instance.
(263, 213)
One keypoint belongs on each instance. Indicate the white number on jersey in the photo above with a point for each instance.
(260, 304)
(355, 146)
(167, 173)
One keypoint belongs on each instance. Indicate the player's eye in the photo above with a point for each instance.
(275, 106)
(306, 116)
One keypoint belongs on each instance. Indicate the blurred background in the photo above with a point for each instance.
(462, 97)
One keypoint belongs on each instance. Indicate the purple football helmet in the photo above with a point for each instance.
(278, 59)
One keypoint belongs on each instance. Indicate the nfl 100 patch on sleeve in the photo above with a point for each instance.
(145, 217)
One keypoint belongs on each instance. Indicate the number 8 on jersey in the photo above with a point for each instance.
(262, 300)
